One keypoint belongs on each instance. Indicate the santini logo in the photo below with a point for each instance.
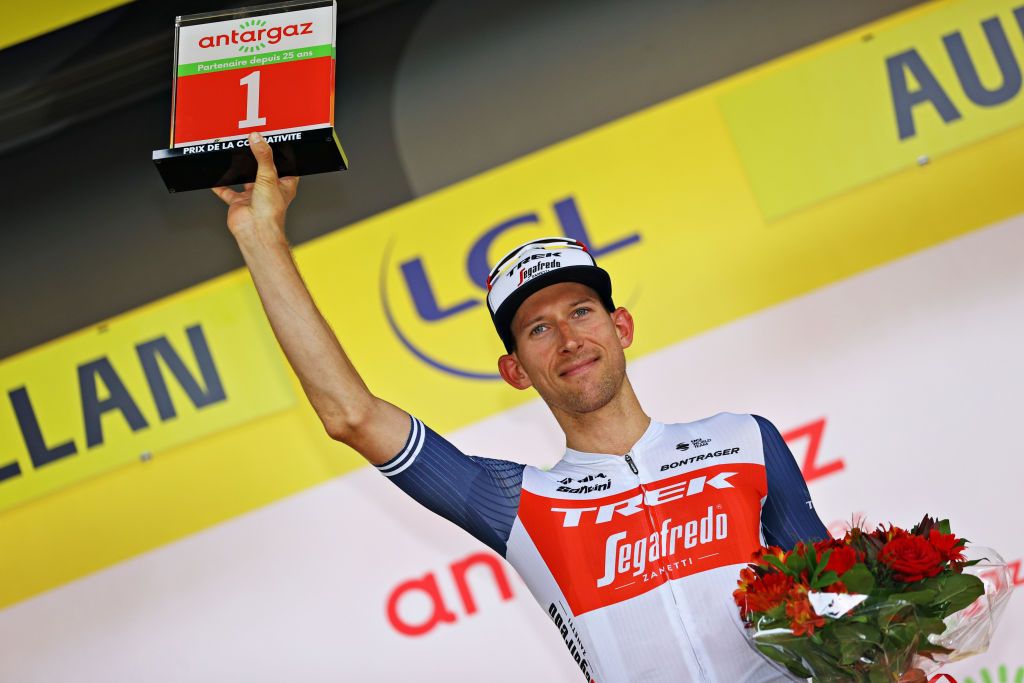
(253, 35)
(585, 486)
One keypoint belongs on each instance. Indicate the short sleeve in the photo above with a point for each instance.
(481, 495)
(788, 514)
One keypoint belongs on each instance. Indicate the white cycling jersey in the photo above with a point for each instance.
(634, 557)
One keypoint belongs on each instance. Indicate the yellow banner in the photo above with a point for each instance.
(23, 21)
(878, 100)
(661, 196)
(136, 386)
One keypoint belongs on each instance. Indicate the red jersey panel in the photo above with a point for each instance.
(606, 550)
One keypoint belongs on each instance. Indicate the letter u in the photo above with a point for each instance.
(967, 72)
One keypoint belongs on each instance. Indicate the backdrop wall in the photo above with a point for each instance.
(174, 512)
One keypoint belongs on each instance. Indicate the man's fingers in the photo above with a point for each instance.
(289, 186)
(266, 172)
(226, 194)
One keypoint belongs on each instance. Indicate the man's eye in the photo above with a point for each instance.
(580, 312)
(537, 329)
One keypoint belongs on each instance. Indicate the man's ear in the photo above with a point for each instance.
(623, 321)
(512, 372)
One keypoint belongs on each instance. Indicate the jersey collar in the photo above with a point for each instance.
(651, 434)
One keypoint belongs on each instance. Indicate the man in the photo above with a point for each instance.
(633, 542)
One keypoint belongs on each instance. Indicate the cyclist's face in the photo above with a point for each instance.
(569, 348)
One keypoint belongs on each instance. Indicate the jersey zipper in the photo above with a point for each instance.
(652, 522)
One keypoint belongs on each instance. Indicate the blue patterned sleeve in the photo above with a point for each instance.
(481, 495)
(788, 514)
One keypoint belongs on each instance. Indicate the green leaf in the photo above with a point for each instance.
(784, 657)
(891, 613)
(820, 565)
(856, 632)
(858, 579)
(824, 581)
(902, 636)
(825, 667)
(855, 640)
(944, 526)
(921, 597)
(796, 563)
(930, 625)
(958, 591)
(775, 562)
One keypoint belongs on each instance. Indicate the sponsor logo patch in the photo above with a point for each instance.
(698, 457)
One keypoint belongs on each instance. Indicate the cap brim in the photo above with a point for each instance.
(592, 276)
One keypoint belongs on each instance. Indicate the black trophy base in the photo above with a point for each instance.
(230, 162)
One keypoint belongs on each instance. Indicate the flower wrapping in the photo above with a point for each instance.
(870, 606)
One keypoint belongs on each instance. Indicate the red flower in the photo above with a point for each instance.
(775, 551)
(747, 579)
(946, 545)
(911, 558)
(769, 592)
(843, 557)
(802, 618)
(760, 594)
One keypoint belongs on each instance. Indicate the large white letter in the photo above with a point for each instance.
(572, 515)
(609, 559)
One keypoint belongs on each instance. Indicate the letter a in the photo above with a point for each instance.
(428, 586)
(904, 101)
(93, 407)
(151, 352)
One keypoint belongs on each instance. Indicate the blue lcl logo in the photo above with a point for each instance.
(425, 302)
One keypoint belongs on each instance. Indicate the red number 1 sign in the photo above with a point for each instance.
(252, 69)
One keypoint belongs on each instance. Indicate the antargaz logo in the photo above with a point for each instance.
(253, 35)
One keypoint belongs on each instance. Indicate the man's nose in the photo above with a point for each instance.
(569, 340)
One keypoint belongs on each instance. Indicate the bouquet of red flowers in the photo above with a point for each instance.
(863, 608)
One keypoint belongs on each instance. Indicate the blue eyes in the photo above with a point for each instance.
(577, 313)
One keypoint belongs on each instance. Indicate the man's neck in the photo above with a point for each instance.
(613, 428)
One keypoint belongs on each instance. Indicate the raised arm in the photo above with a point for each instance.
(349, 412)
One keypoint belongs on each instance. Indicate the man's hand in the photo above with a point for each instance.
(259, 210)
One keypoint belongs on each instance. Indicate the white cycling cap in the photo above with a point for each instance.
(535, 265)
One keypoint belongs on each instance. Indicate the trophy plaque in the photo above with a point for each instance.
(266, 68)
